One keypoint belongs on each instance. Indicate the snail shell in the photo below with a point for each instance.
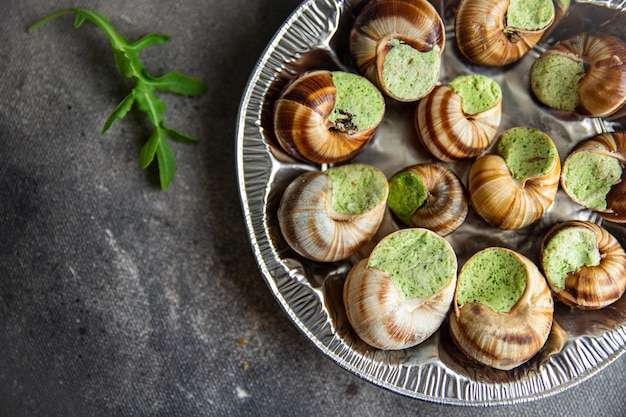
(601, 73)
(612, 148)
(384, 314)
(509, 203)
(600, 281)
(448, 132)
(502, 339)
(305, 121)
(441, 205)
(313, 226)
(382, 26)
(483, 36)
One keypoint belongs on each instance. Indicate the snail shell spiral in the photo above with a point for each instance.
(386, 310)
(408, 31)
(593, 175)
(595, 270)
(313, 123)
(483, 36)
(441, 206)
(596, 85)
(315, 229)
(509, 203)
(501, 339)
(448, 132)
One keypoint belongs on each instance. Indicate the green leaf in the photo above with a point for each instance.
(120, 111)
(175, 82)
(167, 166)
(151, 39)
(179, 137)
(148, 150)
(129, 65)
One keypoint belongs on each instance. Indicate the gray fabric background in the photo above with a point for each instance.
(117, 299)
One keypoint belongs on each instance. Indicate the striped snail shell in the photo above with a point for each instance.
(514, 188)
(397, 44)
(452, 127)
(327, 116)
(401, 294)
(328, 216)
(502, 310)
(487, 35)
(428, 196)
(593, 175)
(584, 264)
(584, 74)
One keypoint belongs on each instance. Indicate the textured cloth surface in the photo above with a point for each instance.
(118, 299)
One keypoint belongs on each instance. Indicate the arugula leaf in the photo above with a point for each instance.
(142, 95)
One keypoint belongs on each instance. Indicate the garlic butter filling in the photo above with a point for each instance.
(530, 14)
(358, 103)
(408, 73)
(356, 188)
(478, 92)
(493, 277)
(567, 251)
(528, 152)
(419, 262)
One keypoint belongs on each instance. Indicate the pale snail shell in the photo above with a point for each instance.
(445, 207)
(302, 122)
(508, 203)
(448, 132)
(380, 24)
(599, 283)
(611, 145)
(602, 89)
(483, 36)
(379, 312)
(504, 340)
(315, 229)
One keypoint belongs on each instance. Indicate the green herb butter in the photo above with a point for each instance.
(493, 277)
(530, 14)
(554, 81)
(567, 251)
(408, 73)
(407, 193)
(419, 262)
(478, 92)
(359, 105)
(356, 188)
(588, 177)
(528, 152)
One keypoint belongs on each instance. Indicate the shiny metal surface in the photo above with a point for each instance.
(315, 37)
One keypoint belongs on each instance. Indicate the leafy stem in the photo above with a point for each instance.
(143, 93)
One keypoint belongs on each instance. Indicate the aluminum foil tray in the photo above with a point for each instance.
(316, 37)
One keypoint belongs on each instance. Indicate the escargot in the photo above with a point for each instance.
(460, 120)
(500, 32)
(502, 309)
(513, 188)
(584, 264)
(400, 295)
(327, 116)
(428, 196)
(328, 216)
(593, 175)
(584, 74)
(397, 44)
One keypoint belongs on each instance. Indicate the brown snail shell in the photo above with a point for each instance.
(446, 205)
(315, 230)
(483, 36)
(596, 286)
(382, 316)
(602, 89)
(380, 23)
(448, 132)
(507, 203)
(504, 340)
(613, 145)
(303, 127)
